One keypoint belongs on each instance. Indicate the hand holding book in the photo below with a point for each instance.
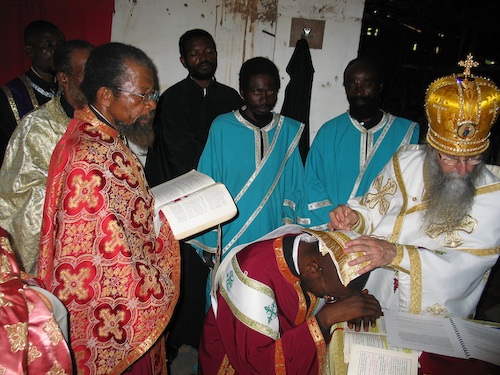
(192, 203)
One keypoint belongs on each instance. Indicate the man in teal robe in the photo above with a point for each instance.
(254, 152)
(350, 150)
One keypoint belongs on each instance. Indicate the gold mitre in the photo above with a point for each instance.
(461, 109)
(333, 244)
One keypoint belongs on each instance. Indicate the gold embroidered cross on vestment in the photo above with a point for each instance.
(379, 197)
(452, 238)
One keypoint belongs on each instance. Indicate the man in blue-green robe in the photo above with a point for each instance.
(253, 151)
(350, 150)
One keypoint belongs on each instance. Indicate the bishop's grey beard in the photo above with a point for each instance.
(449, 196)
(140, 132)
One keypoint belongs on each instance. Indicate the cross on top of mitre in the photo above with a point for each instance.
(467, 64)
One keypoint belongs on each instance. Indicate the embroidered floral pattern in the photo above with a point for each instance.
(121, 169)
(141, 214)
(84, 192)
(92, 153)
(5, 267)
(4, 302)
(80, 321)
(148, 322)
(271, 312)
(109, 360)
(111, 321)
(230, 280)
(18, 333)
(33, 353)
(74, 284)
(115, 282)
(53, 332)
(79, 239)
(114, 241)
(119, 197)
(149, 282)
(436, 309)
(30, 305)
(56, 370)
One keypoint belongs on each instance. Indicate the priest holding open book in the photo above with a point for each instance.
(99, 253)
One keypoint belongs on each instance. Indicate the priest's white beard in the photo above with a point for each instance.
(449, 196)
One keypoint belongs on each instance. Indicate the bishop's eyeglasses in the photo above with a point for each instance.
(454, 160)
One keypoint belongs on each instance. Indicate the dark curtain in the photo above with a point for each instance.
(297, 102)
(90, 20)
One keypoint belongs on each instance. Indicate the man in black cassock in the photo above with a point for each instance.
(183, 117)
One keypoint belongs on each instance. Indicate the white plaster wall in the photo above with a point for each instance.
(241, 30)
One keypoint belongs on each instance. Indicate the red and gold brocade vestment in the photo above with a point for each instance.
(99, 252)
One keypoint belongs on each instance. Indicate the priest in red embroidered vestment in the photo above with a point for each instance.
(99, 251)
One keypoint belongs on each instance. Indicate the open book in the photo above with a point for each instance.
(454, 337)
(370, 353)
(192, 203)
(375, 337)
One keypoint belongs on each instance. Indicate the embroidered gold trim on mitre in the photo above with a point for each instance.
(461, 109)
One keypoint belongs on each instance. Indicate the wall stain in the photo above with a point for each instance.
(251, 12)
(323, 10)
(254, 10)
